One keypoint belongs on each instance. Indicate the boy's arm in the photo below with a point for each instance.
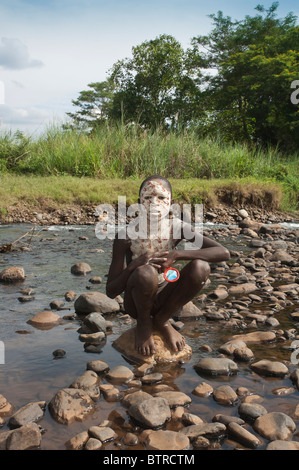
(118, 275)
(210, 251)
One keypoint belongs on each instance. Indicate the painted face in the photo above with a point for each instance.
(156, 199)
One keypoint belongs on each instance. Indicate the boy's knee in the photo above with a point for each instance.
(145, 275)
(200, 270)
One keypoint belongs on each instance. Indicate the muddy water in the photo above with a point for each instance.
(31, 373)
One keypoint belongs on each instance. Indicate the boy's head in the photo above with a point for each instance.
(155, 193)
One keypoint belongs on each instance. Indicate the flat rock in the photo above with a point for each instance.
(151, 413)
(225, 419)
(45, 320)
(174, 398)
(275, 426)
(125, 344)
(216, 366)
(95, 302)
(70, 404)
(93, 444)
(120, 374)
(30, 413)
(166, 440)
(12, 274)
(255, 337)
(209, 430)
(270, 368)
(230, 346)
(245, 288)
(103, 433)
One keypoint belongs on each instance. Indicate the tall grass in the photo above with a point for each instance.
(120, 151)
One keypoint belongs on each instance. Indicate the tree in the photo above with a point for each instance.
(255, 61)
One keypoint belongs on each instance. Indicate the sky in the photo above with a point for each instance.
(50, 50)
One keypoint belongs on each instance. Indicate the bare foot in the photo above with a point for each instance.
(174, 339)
(144, 341)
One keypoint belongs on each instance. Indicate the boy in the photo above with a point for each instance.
(149, 298)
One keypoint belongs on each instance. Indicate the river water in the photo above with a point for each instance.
(31, 373)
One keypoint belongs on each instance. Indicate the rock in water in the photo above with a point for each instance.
(163, 355)
(216, 366)
(71, 404)
(151, 413)
(275, 426)
(80, 269)
(45, 320)
(95, 302)
(12, 274)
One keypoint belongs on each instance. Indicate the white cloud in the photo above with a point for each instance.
(14, 55)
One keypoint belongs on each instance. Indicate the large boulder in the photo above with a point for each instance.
(163, 355)
(95, 302)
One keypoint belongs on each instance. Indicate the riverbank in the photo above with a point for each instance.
(64, 200)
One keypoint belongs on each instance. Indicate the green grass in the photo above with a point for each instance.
(113, 154)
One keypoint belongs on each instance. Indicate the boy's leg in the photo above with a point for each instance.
(139, 298)
(174, 296)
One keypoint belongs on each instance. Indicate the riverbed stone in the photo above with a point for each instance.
(243, 436)
(256, 337)
(203, 390)
(151, 413)
(166, 440)
(270, 368)
(283, 445)
(24, 438)
(135, 398)
(251, 411)
(175, 398)
(225, 395)
(70, 404)
(245, 288)
(97, 366)
(78, 441)
(294, 377)
(80, 269)
(95, 322)
(189, 312)
(93, 444)
(30, 413)
(120, 374)
(275, 426)
(93, 338)
(125, 344)
(45, 320)
(89, 382)
(12, 274)
(225, 419)
(70, 295)
(90, 302)
(103, 433)
(230, 346)
(209, 430)
(216, 366)
(149, 379)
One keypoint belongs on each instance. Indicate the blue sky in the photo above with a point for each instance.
(51, 49)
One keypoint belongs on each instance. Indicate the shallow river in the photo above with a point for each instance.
(31, 373)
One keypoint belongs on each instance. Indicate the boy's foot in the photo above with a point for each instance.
(144, 341)
(174, 339)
